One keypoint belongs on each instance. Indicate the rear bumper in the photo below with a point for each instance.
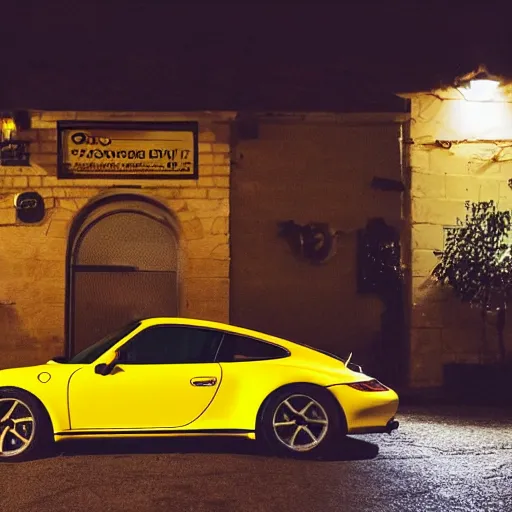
(367, 412)
(391, 425)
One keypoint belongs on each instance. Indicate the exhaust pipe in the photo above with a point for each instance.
(392, 425)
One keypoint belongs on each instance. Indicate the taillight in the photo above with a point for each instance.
(369, 385)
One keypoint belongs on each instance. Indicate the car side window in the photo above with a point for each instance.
(167, 344)
(240, 348)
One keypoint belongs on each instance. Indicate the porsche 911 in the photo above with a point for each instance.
(163, 377)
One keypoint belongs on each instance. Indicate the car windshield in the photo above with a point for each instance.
(90, 354)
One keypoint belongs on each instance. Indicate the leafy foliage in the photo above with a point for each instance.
(476, 261)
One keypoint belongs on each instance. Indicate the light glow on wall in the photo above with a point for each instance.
(480, 120)
(483, 111)
(454, 118)
(480, 90)
(479, 85)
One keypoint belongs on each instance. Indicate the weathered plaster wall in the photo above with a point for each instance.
(32, 258)
(477, 168)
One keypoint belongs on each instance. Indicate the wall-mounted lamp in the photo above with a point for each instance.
(478, 85)
(13, 152)
(8, 128)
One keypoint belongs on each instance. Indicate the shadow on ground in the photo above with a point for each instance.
(349, 450)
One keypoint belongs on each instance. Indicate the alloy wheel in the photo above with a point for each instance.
(17, 427)
(300, 423)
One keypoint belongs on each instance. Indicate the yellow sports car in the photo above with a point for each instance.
(182, 377)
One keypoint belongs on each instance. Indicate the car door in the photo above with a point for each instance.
(165, 378)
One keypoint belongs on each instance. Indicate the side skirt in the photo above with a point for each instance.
(136, 433)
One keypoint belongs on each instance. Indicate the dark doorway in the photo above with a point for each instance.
(123, 258)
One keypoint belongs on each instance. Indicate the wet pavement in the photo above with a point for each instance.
(441, 459)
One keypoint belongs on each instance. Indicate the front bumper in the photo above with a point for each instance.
(367, 412)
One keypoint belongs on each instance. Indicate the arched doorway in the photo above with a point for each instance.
(123, 262)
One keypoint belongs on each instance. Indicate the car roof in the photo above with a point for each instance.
(298, 349)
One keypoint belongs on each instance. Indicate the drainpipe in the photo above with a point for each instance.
(406, 252)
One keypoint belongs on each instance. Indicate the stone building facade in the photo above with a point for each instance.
(34, 258)
(459, 151)
(233, 266)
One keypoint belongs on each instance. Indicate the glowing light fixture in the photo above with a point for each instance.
(8, 128)
(478, 85)
(13, 152)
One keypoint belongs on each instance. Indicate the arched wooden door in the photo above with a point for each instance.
(123, 266)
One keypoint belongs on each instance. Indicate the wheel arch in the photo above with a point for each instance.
(44, 409)
(341, 413)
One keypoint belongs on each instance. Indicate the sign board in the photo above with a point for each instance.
(127, 150)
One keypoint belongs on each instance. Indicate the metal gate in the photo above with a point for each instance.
(124, 266)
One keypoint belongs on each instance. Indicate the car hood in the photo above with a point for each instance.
(28, 374)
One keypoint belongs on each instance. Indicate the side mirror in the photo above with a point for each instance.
(102, 369)
(106, 369)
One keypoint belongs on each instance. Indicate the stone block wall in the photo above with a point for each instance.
(476, 167)
(33, 257)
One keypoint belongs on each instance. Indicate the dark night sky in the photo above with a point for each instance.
(204, 56)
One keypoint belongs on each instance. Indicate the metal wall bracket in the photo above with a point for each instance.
(14, 153)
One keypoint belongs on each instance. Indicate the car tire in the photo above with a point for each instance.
(286, 430)
(26, 431)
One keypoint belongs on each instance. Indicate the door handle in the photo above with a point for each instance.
(203, 381)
